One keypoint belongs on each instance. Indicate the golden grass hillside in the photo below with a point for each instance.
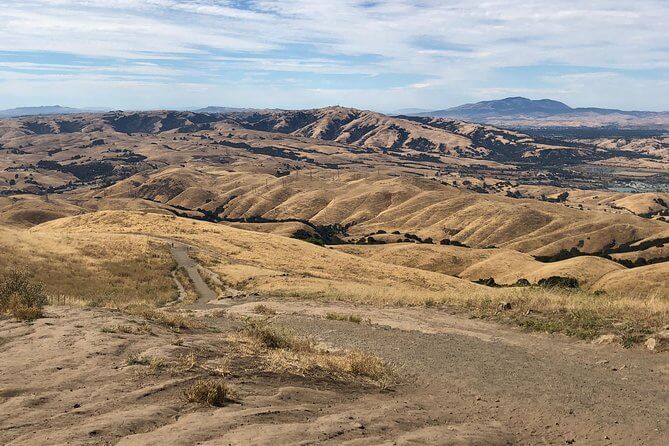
(637, 281)
(504, 265)
(23, 211)
(93, 269)
(644, 203)
(508, 268)
(273, 264)
(450, 260)
(284, 267)
(369, 203)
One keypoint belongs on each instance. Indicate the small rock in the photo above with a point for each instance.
(651, 344)
(77, 406)
(504, 306)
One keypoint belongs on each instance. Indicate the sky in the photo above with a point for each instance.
(381, 55)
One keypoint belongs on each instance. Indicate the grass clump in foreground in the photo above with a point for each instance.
(171, 320)
(213, 392)
(344, 317)
(20, 297)
(264, 309)
(286, 352)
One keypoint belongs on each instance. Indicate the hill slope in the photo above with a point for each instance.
(367, 204)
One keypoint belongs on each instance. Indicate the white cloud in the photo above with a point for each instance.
(451, 48)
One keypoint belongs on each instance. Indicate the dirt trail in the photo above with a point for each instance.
(64, 380)
(542, 389)
(538, 388)
(465, 382)
(180, 253)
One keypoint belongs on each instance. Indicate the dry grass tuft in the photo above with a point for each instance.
(271, 338)
(137, 360)
(128, 329)
(286, 353)
(344, 317)
(171, 320)
(264, 309)
(187, 362)
(211, 392)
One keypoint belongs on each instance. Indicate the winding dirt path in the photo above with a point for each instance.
(180, 253)
(505, 385)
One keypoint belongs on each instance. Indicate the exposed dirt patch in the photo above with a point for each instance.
(99, 377)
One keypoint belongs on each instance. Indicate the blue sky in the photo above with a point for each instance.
(382, 55)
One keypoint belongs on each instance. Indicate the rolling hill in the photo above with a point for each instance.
(368, 204)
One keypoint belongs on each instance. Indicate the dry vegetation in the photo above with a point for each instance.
(20, 296)
(264, 263)
(170, 319)
(264, 310)
(96, 270)
(344, 317)
(212, 392)
(287, 353)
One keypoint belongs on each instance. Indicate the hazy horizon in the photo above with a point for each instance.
(102, 108)
(380, 55)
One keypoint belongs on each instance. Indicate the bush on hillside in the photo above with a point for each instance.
(559, 282)
(20, 296)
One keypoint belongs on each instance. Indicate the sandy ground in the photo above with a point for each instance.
(66, 381)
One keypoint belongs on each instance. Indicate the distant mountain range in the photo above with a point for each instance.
(515, 112)
(523, 112)
(45, 110)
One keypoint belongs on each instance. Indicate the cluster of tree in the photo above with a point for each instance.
(607, 252)
(549, 282)
(559, 199)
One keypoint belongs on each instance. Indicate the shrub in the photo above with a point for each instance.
(21, 297)
(558, 282)
(487, 282)
(212, 392)
(368, 365)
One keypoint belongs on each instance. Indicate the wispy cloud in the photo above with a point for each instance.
(440, 52)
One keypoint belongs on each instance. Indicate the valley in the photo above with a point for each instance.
(335, 276)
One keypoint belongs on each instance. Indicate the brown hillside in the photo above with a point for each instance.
(409, 205)
(651, 279)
